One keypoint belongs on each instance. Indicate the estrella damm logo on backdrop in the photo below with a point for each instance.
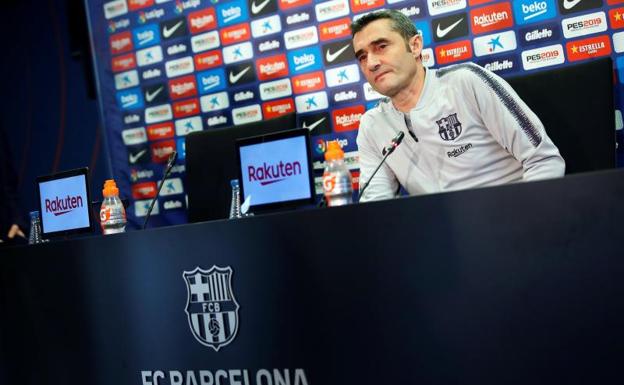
(211, 308)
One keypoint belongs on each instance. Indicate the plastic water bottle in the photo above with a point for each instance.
(235, 204)
(337, 183)
(35, 229)
(112, 213)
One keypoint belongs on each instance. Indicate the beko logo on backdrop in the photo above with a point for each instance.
(305, 60)
(584, 25)
(531, 11)
(267, 174)
(211, 81)
(59, 206)
(147, 35)
(232, 13)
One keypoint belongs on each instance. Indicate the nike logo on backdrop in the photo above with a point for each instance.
(235, 78)
(135, 157)
(168, 32)
(313, 125)
(332, 56)
(257, 8)
(441, 32)
(567, 4)
(150, 96)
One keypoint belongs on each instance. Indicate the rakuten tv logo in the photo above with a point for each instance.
(491, 18)
(347, 119)
(182, 87)
(272, 67)
(268, 174)
(121, 42)
(203, 20)
(162, 150)
(59, 206)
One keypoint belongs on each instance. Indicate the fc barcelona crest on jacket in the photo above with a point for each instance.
(450, 127)
(211, 307)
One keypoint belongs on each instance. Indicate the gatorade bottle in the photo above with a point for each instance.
(337, 184)
(112, 212)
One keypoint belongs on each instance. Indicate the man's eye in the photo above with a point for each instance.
(361, 58)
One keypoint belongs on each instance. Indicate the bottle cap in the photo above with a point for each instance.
(110, 188)
(334, 151)
(234, 183)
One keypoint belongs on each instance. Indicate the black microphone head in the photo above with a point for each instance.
(172, 158)
(399, 137)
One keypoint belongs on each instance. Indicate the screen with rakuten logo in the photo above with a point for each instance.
(275, 171)
(64, 204)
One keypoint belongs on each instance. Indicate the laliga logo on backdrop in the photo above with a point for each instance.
(321, 145)
(211, 307)
(267, 174)
(60, 207)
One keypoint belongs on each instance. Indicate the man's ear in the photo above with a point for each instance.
(416, 45)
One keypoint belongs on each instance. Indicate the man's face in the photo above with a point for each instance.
(386, 61)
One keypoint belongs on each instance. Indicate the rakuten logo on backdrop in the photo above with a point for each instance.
(183, 87)
(59, 206)
(203, 20)
(272, 173)
(121, 42)
(272, 67)
(491, 18)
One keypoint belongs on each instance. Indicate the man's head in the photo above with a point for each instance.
(388, 47)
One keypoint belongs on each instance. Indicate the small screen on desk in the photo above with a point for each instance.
(64, 203)
(275, 169)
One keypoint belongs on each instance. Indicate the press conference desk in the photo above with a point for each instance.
(516, 284)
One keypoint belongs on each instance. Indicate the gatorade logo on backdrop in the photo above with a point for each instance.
(59, 206)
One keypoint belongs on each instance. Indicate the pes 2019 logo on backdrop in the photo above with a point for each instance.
(211, 307)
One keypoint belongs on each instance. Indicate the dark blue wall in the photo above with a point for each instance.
(51, 121)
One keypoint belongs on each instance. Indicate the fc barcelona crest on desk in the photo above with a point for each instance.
(211, 307)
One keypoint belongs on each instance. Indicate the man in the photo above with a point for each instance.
(465, 126)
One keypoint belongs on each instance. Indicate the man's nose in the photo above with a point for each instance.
(372, 62)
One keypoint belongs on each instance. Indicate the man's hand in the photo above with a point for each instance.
(15, 230)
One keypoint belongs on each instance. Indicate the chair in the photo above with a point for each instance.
(575, 104)
(211, 163)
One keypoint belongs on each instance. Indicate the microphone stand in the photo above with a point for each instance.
(172, 159)
(386, 152)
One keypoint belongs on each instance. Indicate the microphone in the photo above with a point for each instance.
(170, 162)
(385, 152)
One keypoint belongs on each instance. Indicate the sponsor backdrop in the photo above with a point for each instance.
(166, 68)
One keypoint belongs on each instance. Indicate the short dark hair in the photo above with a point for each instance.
(400, 23)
